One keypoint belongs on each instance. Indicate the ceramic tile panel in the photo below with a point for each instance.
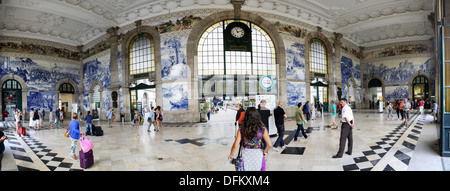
(43, 100)
(97, 69)
(175, 96)
(295, 60)
(39, 74)
(173, 58)
(296, 92)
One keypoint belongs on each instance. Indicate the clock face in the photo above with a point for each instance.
(237, 32)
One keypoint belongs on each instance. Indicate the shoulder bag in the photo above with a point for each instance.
(239, 164)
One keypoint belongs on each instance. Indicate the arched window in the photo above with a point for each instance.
(11, 85)
(66, 88)
(141, 56)
(318, 57)
(214, 59)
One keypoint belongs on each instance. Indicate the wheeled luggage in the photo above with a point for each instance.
(86, 159)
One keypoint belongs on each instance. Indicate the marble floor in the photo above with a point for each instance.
(379, 145)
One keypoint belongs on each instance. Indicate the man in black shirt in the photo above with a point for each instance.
(265, 115)
(279, 115)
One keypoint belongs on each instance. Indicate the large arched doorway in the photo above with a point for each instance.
(420, 88)
(375, 92)
(236, 65)
(319, 66)
(66, 97)
(11, 97)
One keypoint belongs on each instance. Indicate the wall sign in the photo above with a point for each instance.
(266, 82)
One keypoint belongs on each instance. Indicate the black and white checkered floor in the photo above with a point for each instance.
(32, 155)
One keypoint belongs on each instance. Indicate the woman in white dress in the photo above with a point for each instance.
(31, 118)
(50, 118)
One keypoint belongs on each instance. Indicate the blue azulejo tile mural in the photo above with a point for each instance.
(86, 104)
(106, 99)
(119, 62)
(296, 92)
(43, 100)
(99, 69)
(395, 92)
(39, 74)
(344, 92)
(173, 58)
(175, 96)
(295, 61)
(350, 69)
(399, 71)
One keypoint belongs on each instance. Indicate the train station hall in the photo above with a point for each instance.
(224, 85)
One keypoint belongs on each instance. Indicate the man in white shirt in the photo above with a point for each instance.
(348, 123)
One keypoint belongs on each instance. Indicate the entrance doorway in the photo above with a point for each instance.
(66, 92)
(319, 93)
(142, 97)
(420, 88)
(375, 92)
(11, 97)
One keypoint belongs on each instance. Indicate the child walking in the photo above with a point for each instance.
(74, 135)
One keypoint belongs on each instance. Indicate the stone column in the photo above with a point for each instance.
(337, 59)
(114, 41)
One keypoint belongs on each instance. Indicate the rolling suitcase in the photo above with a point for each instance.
(86, 159)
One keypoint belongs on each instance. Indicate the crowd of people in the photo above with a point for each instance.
(253, 141)
(252, 136)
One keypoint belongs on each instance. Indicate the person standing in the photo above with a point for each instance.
(406, 108)
(300, 122)
(136, 121)
(238, 114)
(159, 117)
(339, 109)
(265, 116)
(36, 116)
(249, 138)
(279, 115)
(421, 103)
(333, 114)
(17, 115)
(435, 111)
(50, 118)
(113, 119)
(57, 117)
(389, 110)
(31, 125)
(5, 119)
(42, 117)
(397, 108)
(88, 118)
(74, 135)
(307, 111)
(400, 107)
(109, 115)
(348, 123)
(151, 119)
(61, 116)
(2, 147)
